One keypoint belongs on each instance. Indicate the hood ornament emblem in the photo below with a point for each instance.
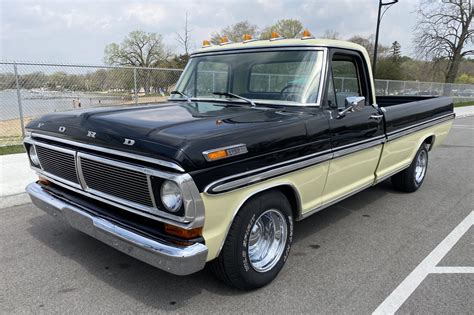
(62, 129)
(91, 134)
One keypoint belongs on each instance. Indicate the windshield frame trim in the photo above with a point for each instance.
(269, 49)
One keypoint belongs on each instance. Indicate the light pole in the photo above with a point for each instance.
(379, 18)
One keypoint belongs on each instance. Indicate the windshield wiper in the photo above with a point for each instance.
(236, 96)
(183, 95)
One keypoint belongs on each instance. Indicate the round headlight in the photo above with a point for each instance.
(171, 196)
(33, 156)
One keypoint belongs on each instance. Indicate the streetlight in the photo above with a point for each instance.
(379, 18)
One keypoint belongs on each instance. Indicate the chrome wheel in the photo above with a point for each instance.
(267, 240)
(420, 168)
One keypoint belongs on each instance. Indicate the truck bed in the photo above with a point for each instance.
(402, 112)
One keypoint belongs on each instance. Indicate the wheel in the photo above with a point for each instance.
(258, 242)
(411, 178)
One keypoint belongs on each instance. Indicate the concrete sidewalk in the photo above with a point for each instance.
(15, 172)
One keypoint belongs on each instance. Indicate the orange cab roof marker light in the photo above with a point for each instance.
(206, 43)
(224, 40)
(275, 36)
(307, 35)
(247, 38)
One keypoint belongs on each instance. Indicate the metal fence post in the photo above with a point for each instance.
(18, 95)
(135, 83)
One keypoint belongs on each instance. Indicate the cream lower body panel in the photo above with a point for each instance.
(221, 209)
(399, 153)
(350, 173)
(319, 185)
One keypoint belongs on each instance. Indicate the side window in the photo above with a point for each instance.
(346, 79)
(211, 77)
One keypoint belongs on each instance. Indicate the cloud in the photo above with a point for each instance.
(78, 31)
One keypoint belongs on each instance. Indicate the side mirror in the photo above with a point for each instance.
(352, 103)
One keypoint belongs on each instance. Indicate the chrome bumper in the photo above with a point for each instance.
(178, 260)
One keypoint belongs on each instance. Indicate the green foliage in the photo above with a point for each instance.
(139, 48)
(465, 78)
(11, 149)
(287, 28)
(235, 32)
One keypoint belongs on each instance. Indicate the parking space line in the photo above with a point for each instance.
(396, 299)
(453, 270)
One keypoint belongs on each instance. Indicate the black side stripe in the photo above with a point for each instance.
(258, 175)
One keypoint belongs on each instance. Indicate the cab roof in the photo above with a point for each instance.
(282, 43)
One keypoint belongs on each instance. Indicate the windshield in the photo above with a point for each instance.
(276, 77)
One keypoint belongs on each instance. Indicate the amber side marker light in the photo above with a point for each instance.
(222, 153)
(183, 233)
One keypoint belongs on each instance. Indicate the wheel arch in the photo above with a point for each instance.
(430, 141)
(288, 189)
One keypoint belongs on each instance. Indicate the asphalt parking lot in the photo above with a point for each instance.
(379, 250)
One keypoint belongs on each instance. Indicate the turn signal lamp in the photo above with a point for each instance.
(224, 40)
(183, 233)
(307, 35)
(222, 153)
(274, 36)
(206, 43)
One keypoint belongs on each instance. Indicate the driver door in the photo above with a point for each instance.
(356, 134)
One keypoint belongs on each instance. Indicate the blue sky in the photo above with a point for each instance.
(77, 31)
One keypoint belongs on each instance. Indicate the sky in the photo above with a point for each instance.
(77, 31)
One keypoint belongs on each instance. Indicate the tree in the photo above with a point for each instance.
(184, 39)
(235, 32)
(330, 34)
(443, 32)
(287, 28)
(395, 51)
(139, 49)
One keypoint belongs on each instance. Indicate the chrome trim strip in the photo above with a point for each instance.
(111, 151)
(330, 203)
(208, 187)
(179, 260)
(419, 126)
(222, 185)
(357, 146)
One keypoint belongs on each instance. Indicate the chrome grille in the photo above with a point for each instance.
(116, 181)
(58, 163)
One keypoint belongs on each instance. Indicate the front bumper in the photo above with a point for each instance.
(178, 260)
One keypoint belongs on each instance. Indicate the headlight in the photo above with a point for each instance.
(33, 156)
(171, 196)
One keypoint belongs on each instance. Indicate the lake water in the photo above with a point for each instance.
(40, 102)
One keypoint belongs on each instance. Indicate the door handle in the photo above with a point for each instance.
(376, 117)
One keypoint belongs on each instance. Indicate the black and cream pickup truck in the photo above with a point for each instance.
(256, 135)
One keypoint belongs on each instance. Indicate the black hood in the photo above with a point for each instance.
(178, 131)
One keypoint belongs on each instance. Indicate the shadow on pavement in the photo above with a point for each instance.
(156, 288)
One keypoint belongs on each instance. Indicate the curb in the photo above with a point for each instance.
(14, 200)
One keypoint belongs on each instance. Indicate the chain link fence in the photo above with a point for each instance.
(28, 90)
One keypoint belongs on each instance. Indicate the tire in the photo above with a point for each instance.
(238, 264)
(411, 178)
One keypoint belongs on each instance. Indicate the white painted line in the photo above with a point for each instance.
(464, 128)
(471, 126)
(396, 299)
(453, 270)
